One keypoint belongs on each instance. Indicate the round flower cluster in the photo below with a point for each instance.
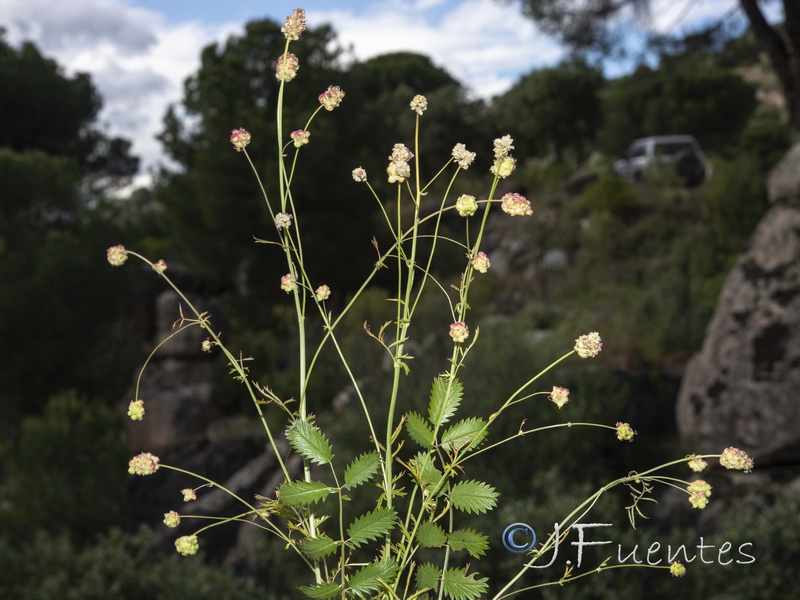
(287, 284)
(699, 491)
(359, 175)
(516, 205)
(419, 104)
(481, 262)
(559, 396)
(676, 569)
(504, 164)
(283, 221)
(160, 266)
(117, 255)
(240, 138)
(462, 156)
(300, 137)
(696, 463)
(143, 464)
(189, 494)
(332, 97)
(172, 519)
(206, 345)
(399, 169)
(733, 458)
(459, 331)
(322, 293)
(295, 25)
(287, 67)
(136, 410)
(589, 345)
(625, 432)
(466, 205)
(187, 545)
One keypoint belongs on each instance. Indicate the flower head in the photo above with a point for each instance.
(136, 410)
(503, 167)
(206, 345)
(733, 458)
(287, 67)
(323, 292)
(295, 24)
(172, 519)
(117, 255)
(677, 569)
(696, 463)
(398, 172)
(240, 138)
(502, 146)
(160, 266)
(283, 221)
(300, 137)
(187, 545)
(400, 153)
(589, 345)
(419, 104)
(459, 331)
(189, 494)
(143, 464)
(625, 432)
(516, 205)
(559, 396)
(699, 491)
(287, 284)
(466, 205)
(332, 97)
(481, 262)
(462, 156)
(359, 175)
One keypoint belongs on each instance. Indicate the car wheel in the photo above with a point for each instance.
(688, 167)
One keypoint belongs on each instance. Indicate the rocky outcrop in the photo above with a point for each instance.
(743, 388)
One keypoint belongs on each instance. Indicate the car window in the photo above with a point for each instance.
(637, 150)
(672, 148)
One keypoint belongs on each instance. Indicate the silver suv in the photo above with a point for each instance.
(681, 151)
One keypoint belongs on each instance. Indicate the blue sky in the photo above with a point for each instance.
(140, 51)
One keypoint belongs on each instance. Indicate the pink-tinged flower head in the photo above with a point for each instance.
(677, 569)
(172, 519)
(733, 458)
(322, 293)
(287, 284)
(143, 464)
(589, 345)
(419, 104)
(283, 221)
(481, 262)
(466, 205)
(516, 205)
(462, 156)
(287, 67)
(295, 25)
(332, 97)
(189, 494)
(699, 491)
(625, 432)
(117, 255)
(400, 153)
(559, 396)
(187, 545)
(300, 137)
(160, 266)
(696, 463)
(136, 410)
(359, 175)
(503, 167)
(459, 332)
(240, 138)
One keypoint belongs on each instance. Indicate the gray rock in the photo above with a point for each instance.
(783, 184)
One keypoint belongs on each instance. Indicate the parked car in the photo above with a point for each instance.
(682, 152)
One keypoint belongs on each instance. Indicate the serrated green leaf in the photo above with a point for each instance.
(465, 435)
(368, 579)
(361, 469)
(428, 576)
(371, 526)
(303, 493)
(419, 431)
(425, 473)
(470, 540)
(309, 441)
(473, 496)
(431, 535)
(321, 591)
(445, 398)
(460, 586)
(318, 547)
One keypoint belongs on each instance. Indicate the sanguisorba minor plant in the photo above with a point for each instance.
(419, 497)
